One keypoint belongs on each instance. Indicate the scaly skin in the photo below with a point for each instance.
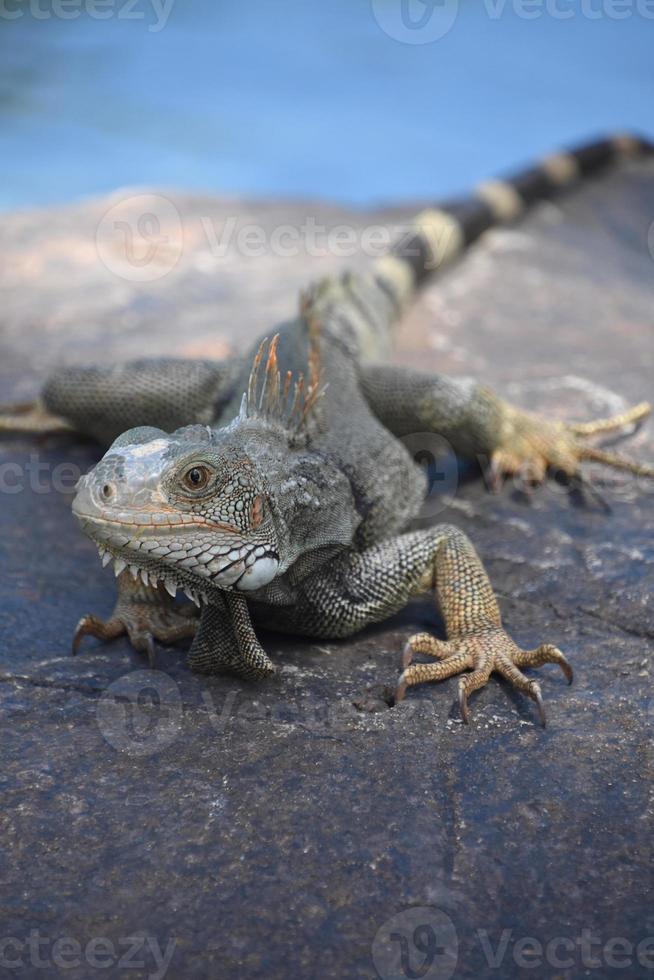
(284, 492)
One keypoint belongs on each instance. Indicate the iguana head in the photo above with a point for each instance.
(189, 508)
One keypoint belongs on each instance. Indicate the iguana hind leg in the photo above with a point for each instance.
(368, 587)
(479, 424)
(529, 445)
(31, 417)
(103, 402)
(145, 613)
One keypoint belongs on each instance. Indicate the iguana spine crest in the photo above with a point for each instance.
(289, 402)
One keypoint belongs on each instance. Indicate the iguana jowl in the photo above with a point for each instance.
(284, 491)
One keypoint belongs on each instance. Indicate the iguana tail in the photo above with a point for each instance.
(439, 235)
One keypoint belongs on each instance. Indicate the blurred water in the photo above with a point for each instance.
(306, 99)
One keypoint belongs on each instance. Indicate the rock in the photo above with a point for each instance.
(303, 827)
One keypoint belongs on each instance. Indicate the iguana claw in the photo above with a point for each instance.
(92, 626)
(31, 417)
(144, 613)
(531, 445)
(538, 698)
(481, 653)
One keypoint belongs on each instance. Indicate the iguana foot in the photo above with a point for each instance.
(145, 613)
(482, 652)
(530, 445)
(31, 417)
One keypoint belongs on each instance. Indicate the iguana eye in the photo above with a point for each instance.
(196, 478)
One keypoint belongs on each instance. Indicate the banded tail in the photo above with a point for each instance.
(439, 235)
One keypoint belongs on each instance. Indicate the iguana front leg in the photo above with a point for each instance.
(145, 613)
(479, 424)
(226, 641)
(367, 587)
(475, 637)
(224, 638)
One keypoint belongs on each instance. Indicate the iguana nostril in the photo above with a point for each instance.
(107, 491)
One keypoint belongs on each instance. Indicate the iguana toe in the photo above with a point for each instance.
(144, 613)
(531, 444)
(480, 653)
(31, 417)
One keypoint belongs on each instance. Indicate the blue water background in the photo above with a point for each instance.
(306, 99)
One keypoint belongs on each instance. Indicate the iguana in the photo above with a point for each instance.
(275, 486)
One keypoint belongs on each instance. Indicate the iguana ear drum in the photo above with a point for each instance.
(256, 512)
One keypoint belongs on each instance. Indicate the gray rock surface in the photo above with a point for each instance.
(277, 830)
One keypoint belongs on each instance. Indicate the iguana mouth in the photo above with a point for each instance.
(156, 520)
(181, 559)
